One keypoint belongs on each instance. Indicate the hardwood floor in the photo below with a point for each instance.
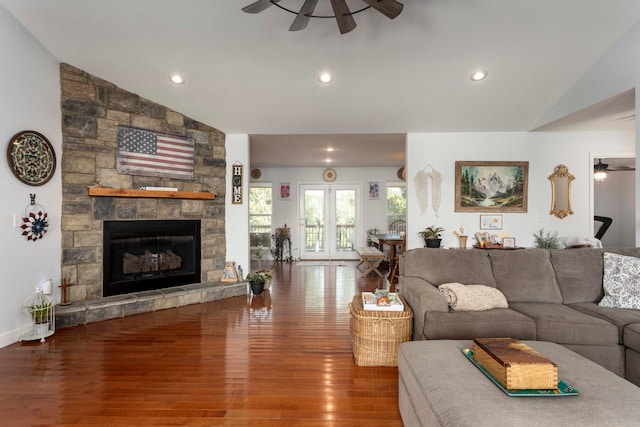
(281, 359)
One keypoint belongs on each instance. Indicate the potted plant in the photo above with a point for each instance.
(546, 241)
(432, 236)
(267, 274)
(257, 280)
(40, 314)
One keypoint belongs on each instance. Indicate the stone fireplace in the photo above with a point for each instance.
(92, 109)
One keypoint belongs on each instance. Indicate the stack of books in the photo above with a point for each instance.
(382, 300)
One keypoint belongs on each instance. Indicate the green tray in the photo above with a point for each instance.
(563, 388)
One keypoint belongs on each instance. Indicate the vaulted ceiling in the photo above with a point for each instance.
(246, 73)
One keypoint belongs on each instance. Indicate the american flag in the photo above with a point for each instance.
(149, 153)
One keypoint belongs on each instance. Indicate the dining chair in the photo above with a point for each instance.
(397, 226)
(396, 262)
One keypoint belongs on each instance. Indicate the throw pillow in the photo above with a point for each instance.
(472, 297)
(621, 282)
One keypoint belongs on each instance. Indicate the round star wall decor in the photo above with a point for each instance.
(36, 222)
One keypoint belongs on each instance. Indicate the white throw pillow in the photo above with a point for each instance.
(621, 282)
(472, 297)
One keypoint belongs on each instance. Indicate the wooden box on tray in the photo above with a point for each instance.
(514, 364)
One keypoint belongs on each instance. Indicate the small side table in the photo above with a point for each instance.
(377, 335)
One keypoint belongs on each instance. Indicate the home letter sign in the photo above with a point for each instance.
(236, 184)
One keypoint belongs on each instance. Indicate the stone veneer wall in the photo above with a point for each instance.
(91, 111)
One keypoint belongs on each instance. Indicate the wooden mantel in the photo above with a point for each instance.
(157, 194)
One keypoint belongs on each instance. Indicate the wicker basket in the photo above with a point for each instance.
(376, 335)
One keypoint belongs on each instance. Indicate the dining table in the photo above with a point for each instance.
(390, 239)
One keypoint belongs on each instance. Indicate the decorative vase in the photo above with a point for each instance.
(257, 288)
(462, 241)
(432, 243)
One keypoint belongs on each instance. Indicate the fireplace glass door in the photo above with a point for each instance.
(147, 255)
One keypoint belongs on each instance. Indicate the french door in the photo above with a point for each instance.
(328, 214)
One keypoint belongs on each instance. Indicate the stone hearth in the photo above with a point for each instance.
(96, 310)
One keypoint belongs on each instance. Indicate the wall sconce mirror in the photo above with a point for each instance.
(561, 191)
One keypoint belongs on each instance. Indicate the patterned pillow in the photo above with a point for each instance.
(621, 282)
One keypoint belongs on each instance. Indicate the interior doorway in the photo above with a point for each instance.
(328, 218)
(615, 197)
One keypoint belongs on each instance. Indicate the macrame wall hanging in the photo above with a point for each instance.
(428, 182)
(35, 220)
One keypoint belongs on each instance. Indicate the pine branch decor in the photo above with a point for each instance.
(546, 241)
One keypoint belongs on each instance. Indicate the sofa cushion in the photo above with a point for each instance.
(607, 356)
(525, 275)
(472, 297)
(498, 323)
(579, 274)
(564, 325)
(632, 366)
(621, 282)
(439, 266)
(631, 336)
(618, 316)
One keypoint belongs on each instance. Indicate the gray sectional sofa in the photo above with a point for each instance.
(552, 295)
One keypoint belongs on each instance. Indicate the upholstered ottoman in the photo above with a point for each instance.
(439, 386)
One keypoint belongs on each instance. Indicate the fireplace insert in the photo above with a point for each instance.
(147, 255)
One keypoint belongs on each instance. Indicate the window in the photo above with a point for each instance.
(396, 202)
(260, 209)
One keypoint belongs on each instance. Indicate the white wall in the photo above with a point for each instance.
(287, 211)
(30, 88)
(543, 151)
(237, 216)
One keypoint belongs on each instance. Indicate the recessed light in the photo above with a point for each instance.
(325, 78)
(176, 79)
(328, 161)
(330, 149)
(476, 76)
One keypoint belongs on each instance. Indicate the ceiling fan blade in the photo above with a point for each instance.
(303, 17)
(389, 8)
(258, 6)
(344, 18)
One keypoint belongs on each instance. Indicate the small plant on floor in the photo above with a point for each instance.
(258, 276)
(257, 281)
(546, 241)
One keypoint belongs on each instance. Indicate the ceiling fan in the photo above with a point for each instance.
(604, 167)
(343, 15)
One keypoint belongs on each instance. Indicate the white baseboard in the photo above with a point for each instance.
(10, 337)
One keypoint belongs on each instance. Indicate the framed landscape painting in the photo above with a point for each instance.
(491, 186)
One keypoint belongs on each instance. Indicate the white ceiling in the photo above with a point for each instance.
(247, 74)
